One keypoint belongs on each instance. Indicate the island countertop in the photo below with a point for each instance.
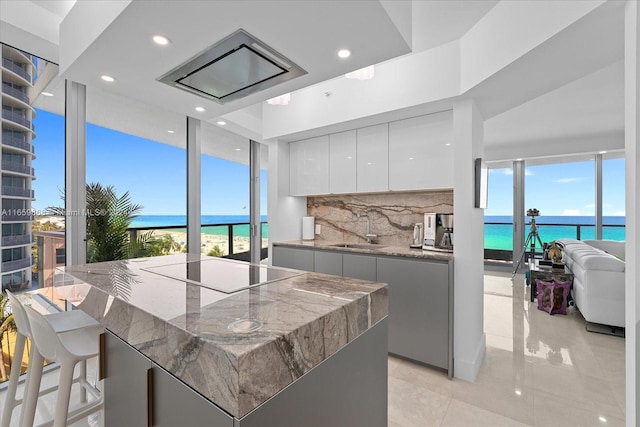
(205, 337)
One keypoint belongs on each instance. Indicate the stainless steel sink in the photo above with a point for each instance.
(370, 246)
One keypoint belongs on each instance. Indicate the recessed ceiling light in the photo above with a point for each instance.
(447, 145)
(107, 78)
(350, 157)
(518, 392)
(410, 158)
(47, 94)
(200, 109)
(344, 53)
(602, 419)
(171, 131)
(221, 122)
(237, 149)
(161, 40)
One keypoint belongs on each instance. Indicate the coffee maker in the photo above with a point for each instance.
(429, 241)
(445, 222)
(438, 232)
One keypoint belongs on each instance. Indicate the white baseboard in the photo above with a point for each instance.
(468, 369)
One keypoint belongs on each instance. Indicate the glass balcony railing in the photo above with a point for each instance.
(13, 216)
(17, 167)
(16, 240)
(17, 141)
(9, 65)
(16, 93)
(17, 192)
(17, 264)
(17, 118)
(498, 236)
(223, 240)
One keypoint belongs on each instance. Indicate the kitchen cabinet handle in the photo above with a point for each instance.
(102, 356)
(150, 421)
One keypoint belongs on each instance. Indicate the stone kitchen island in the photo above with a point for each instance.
(199, 341)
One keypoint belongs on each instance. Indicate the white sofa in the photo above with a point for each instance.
(598, 287)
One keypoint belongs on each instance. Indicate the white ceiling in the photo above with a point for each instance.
(309, 33)
(570, 105)
(436, 22)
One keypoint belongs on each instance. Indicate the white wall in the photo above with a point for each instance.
(82, 26)
(632, 160)
(285, 212)
(469, 338)
(510, 30)
(411, 80)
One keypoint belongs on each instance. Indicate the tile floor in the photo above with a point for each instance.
(538, 370)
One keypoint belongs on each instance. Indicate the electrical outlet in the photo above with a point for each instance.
(318, 228)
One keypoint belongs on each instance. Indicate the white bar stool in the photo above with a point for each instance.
(60, 322)
(68, 349)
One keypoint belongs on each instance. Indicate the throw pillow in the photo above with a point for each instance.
(560, 295)
(545, 295)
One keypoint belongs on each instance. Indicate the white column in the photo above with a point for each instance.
(194, 141)
(632, 161)
(518, 212)
(598, 196)
(285, 212)
(254, 202)
(469, 338)
(75, 191)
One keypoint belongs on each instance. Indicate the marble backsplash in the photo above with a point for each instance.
(392, 215)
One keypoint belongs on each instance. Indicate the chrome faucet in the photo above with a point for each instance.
(370, 237)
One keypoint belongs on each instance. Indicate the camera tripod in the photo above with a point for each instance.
(531, 240)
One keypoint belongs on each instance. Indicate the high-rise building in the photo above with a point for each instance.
(18, 71)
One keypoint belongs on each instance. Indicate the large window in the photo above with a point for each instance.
(137, 149)
(225, 193)
(498, 216)
(613, 197)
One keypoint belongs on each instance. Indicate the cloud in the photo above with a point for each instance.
(619, 213)
(568, 180)
(527, 172)
(502, 171)
(571, 212)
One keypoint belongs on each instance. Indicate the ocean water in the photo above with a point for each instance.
(147, 221)
(499, 233)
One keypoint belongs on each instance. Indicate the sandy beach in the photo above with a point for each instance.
(209, 241)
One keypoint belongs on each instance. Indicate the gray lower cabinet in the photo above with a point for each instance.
(359, 267)
(299, 259)
(125, 370)
(419, 305)
(420, 297)
(137, 392)
(176, 404)
(327, 262)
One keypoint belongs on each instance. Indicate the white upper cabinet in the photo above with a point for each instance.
(342, 162)
(420, 152)
(309, 166)
(373, 158)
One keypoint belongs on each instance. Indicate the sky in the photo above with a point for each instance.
(560, 189)
(154, 173)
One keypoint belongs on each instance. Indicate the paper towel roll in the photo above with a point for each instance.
(308, 227)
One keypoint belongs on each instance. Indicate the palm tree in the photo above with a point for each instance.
(108, 218)
(164, 245)
(215, 251)
(6, 324)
